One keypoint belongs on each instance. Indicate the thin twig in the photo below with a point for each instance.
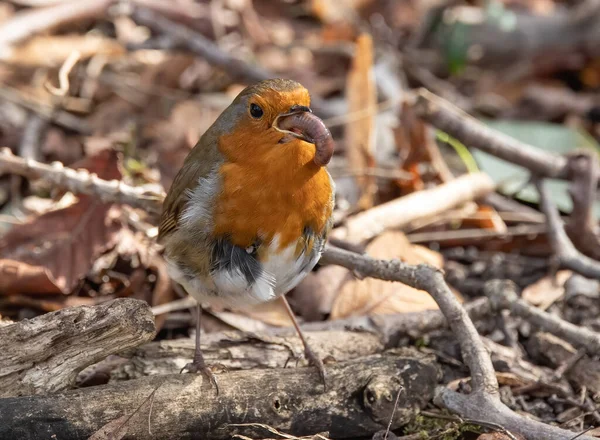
(82, 182)
(63, 75)
(458, 124)
(564, 250)
(503, 295)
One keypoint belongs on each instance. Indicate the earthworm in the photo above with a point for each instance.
(313, 129)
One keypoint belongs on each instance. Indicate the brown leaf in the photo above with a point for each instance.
(114, 430)
(272, 313)
(370, 296)
(548, 290)
(314, 297)
(359, 135)
(53, 252)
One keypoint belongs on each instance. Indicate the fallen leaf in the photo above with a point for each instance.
(114, 430)
(372, 297)
(272, 313)
(548, 290)
(486, 217)
(314, 297)
(51, 253)
(359, 135)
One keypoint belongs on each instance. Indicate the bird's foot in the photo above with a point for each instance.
(316, 361)
(198, 366)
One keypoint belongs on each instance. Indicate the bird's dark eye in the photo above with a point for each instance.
(256, 111)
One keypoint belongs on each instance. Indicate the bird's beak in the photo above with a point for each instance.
(296, 132)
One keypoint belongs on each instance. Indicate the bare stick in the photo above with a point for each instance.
(453, 121)
(503, 294)
(45, 354)
(582, 225)
(82, 182)
(568, 256)
(484, 402)
(428, 278)
(407, 209)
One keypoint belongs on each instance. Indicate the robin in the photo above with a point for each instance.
(248, 214)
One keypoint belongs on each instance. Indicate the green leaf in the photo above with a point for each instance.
(553, 138)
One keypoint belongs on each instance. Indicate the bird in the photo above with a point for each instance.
(249, 212)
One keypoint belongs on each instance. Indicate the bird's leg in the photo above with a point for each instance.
(198, 365)
(308, 353)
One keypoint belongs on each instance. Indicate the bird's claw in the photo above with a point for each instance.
(315, 361)
(200, 367)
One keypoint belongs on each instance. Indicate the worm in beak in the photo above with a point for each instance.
(301, 123)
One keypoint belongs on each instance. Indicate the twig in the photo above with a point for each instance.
(199, 44)
(484, 401)
(428, 278)
(405, 210)
(453, 121)
(503, 295)
(82, 182)
(568, 256)
(63, 75)
(582, 224)
(49, 112)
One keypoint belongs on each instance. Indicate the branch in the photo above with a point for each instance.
(82, 182)
(484, 402)
(582, 224)
(428, 278)
(453, 121)
(568, 256)
(503, 296)
(360, 402)
(415, 206)
(45, 354)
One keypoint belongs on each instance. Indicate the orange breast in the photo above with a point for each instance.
(275, 191)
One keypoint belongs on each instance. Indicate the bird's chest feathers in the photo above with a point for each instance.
(281, 193)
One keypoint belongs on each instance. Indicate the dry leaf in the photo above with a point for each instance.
(114, 430)
(272, 313)
(486, 217)
(371, 296)
(548, 290)
(53, 252)
(359, 135)
(313, 298)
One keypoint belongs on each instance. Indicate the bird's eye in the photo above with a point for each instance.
(256, 111)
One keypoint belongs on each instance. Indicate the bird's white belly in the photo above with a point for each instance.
(238, 286)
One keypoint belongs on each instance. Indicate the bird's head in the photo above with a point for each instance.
(268, 115)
